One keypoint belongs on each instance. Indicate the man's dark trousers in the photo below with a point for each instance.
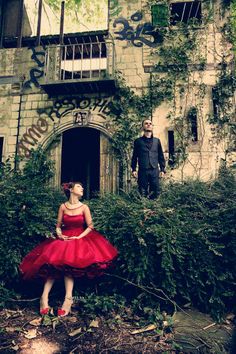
(149, 177)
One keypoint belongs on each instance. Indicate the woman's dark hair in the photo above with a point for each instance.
(67, 186)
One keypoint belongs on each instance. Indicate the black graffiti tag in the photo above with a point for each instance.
(36, 73)
(81, 108)
(31, 137)
(62, 107)
(137, 35)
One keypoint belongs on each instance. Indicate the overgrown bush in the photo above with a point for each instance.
(180, 246)
(183, 243)
(27, 214)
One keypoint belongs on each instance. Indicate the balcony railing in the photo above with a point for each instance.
(79, 62)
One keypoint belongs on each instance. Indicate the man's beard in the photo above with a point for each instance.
(148, 130)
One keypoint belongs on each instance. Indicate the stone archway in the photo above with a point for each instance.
(84, 153)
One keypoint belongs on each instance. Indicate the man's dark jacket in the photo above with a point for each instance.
(147, 157)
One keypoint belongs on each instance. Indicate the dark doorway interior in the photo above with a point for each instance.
(81, 158)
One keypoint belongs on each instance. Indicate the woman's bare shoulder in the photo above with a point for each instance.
(62, 206)
(85, 207)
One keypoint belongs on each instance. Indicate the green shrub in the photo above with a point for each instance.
(183, 243)
(28, 212)
(95, 304)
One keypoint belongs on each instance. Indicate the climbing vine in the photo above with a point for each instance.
(223, 117)
(127, 124)
(56, 5)
(177, 58)
(223, 101)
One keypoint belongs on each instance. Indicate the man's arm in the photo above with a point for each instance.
(161, 158)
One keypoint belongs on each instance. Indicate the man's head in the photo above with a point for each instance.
(147, 125)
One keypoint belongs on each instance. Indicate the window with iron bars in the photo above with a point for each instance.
(84, 60)
(185, 11)
(163, 16)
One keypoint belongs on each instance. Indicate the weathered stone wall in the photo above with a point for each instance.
(39, 115)
(135, 59)
(41, 118)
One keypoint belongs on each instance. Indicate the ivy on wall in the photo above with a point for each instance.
(233, 24)
(183, 52)
(223, 117)
(223, 97)
(127, 125)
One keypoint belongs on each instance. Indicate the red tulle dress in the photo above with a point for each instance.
(89, 256)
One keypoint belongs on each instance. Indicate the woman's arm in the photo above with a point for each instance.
(59, 223)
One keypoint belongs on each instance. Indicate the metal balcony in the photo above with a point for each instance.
(79, 68)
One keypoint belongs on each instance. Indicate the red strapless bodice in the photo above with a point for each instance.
(73, 225)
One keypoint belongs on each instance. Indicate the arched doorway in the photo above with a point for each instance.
(80, 158)
(85, 154)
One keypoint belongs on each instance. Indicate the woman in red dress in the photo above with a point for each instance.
(78, 250)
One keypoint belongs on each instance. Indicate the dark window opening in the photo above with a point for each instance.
(160, 15)
(171, 147)
(1, 148)
(81, 159)
(185, 11)
(10, 11)
(215, 102)
(192, 120)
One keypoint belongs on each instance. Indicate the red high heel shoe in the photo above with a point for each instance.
(43, 310)
(61, 312)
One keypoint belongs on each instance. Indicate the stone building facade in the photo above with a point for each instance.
(59, 96)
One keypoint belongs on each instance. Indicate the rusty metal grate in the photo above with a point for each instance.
(185, 11)
(82, 61)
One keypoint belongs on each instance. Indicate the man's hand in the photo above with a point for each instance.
(135, 174)
(162, 174)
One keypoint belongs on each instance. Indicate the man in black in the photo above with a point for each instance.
(149, 156)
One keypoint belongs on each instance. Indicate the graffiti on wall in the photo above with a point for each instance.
(32, 136)
(62, 107)
(81, 110)
(38, 71)
(142, 33)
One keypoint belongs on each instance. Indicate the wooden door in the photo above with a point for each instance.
(54, 154)
(109, 167)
